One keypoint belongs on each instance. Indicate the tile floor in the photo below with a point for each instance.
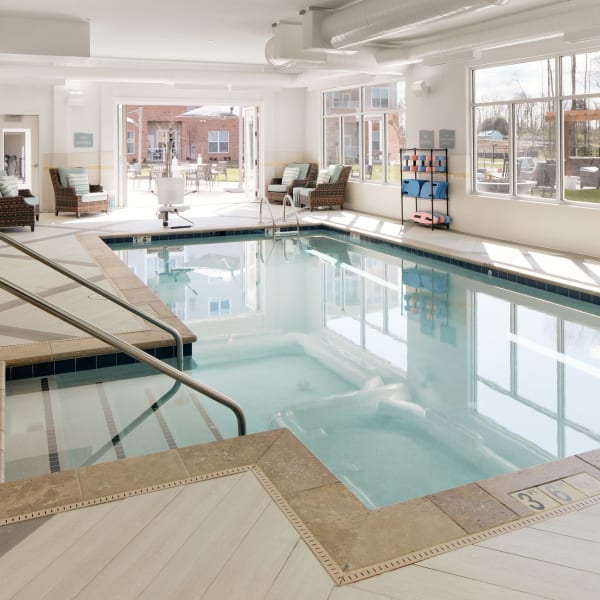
(551, 559)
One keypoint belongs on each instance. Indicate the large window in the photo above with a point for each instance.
(218, 142)
(523, 146)
(364, 128)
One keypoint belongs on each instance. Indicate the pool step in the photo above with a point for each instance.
(51, 425)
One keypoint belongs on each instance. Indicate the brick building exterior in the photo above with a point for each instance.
(214, 138)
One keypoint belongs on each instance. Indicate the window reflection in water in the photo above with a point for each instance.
(538, 375)
(199, 281)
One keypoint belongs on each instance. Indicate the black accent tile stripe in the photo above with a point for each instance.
(164, 427)
(110, 422)
(209, 422)
(86, 363)
(53, 458)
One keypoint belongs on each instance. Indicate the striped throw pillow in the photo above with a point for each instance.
(9, 186)
(80, 183)
(289, 175)
(323, 176)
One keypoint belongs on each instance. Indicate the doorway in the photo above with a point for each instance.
(223, 139)
(20, 149)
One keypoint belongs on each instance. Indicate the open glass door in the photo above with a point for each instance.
(20, 149)
(251, 175)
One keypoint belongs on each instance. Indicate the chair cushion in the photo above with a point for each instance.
(277, 187)
(9, 186)
(289, 175)
(63, 174)
(324, 176)
(305, 192)
(302, 169)
(31, 200)
(94, 197)
(79, 182)
(334, 171)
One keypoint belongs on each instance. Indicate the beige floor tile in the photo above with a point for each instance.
(418, 583)
(301, 577)
(210, 547)
(581, 524)
(550, 547)
(33, 555)
(249, 574)
(352, 593)
(65, 576)
(517, 573)
(129, 571)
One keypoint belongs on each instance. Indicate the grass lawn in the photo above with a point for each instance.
(585, 195)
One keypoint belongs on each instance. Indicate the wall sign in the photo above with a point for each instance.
(426, 138)
(83, 140)
(447, 138)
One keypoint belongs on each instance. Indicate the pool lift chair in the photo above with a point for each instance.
(170, 192)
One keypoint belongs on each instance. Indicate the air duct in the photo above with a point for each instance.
(369, 20)
(285, 49)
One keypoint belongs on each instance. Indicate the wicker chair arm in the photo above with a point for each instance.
(12, 204)
(96, 188)
(275, 181)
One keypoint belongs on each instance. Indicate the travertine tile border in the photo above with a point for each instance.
(335, 525)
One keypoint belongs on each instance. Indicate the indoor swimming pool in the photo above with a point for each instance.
(403, 374)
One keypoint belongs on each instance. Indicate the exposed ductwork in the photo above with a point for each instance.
(369, 20)
(336, 38)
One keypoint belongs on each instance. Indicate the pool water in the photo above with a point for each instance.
(404, 375)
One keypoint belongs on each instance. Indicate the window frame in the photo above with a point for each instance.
(362, 113)
(219, 142)
(559, 98)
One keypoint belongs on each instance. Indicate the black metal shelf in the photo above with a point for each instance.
(432, 165)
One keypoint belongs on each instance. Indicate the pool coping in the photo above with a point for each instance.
(42, 359)
(351, 541)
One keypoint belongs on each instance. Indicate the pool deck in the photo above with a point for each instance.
(263, 517)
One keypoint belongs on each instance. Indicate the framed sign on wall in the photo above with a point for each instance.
(83, 140)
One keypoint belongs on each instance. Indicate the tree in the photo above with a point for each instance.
(494, 123)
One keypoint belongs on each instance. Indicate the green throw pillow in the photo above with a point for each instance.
(9, 186)
(80, 183)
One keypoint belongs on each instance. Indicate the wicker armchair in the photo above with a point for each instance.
(277, 195)
(15, 212)
(66, 200)
(326, 195)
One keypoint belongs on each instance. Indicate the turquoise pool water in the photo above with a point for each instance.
(404, 375)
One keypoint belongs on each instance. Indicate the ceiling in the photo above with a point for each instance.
(345, 35)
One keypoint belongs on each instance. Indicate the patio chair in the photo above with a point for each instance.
(73, 192)
(18, 208)
(327, 192)
(298, 175)
(545, 178)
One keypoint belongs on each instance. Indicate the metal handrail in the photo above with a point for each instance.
(99, 290)
(262, 200)
(127, 348)
(291, 201)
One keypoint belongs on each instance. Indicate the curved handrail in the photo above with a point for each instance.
(291, 201)
(262, 200)
(127, 348)
(99, 290)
